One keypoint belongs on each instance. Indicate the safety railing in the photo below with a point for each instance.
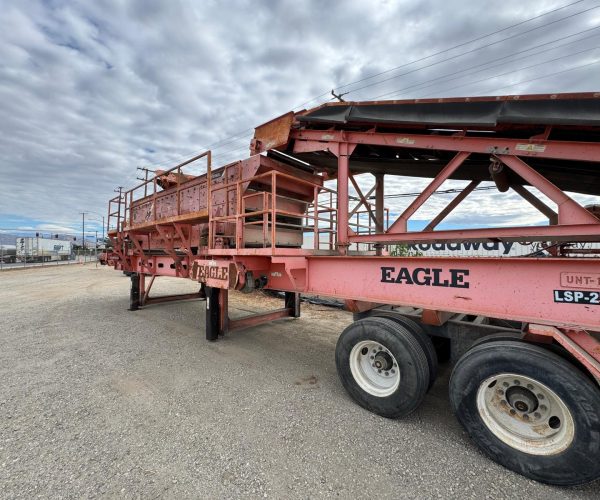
(121, 208)
(361, 222)
(269, 216)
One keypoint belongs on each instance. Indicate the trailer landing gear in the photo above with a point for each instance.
(218, 321)
(530, 411)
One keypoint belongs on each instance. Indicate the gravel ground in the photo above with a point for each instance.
(97, 401)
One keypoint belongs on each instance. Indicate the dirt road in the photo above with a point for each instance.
(98, 401)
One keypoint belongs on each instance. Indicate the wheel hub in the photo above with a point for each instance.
(374, 368)
(522, 399)
(525, 414)
(383, 361)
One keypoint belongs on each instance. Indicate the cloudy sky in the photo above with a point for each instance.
(89, 90)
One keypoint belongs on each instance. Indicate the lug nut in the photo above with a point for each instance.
(543, 407)
(505, 384)
(537, 414)
(540, 396)
(387, 373)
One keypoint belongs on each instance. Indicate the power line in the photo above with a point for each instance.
(476, 49)
(462, 72)
(442, 51)
(527, 67)
(548, 75)
(443, 191)
(238, 136)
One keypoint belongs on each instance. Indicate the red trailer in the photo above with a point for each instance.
(521, 330)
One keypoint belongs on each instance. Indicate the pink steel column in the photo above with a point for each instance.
(379, 211)
(342, 199)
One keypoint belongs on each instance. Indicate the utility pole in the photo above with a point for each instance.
(339, 96)
(83, 234)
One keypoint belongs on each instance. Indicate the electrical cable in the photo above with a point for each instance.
(462, 72)
(441, 52)
(525, 81)
(472, 50)
(241, 134)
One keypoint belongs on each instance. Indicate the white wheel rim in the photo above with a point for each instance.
(374, 368)
(525, 414)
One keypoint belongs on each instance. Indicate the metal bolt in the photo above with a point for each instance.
(516, 382)
(540, 396)
(393, 371)
(537, 414)
(505, 384)
(500, 391)
(512, 412)
(543, 407)
(378, 371)
(526, 417)
(503, 402)
(380, 348)
(372, 357)
(387, 373)
(530, 387)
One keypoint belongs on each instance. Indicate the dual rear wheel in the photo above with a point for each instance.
(525, 407)
(383, 366)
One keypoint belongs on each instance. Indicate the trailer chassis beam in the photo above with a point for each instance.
(316, 140)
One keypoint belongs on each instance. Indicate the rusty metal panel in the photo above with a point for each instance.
(273, 134)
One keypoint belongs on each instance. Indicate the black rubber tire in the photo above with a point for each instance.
(419, 333)
(498, 336)
(580, 462)
(410, 356)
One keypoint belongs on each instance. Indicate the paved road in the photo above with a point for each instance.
(97, 401)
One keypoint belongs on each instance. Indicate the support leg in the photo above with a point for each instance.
(134, 293)
(213, 313)
(292, 301)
